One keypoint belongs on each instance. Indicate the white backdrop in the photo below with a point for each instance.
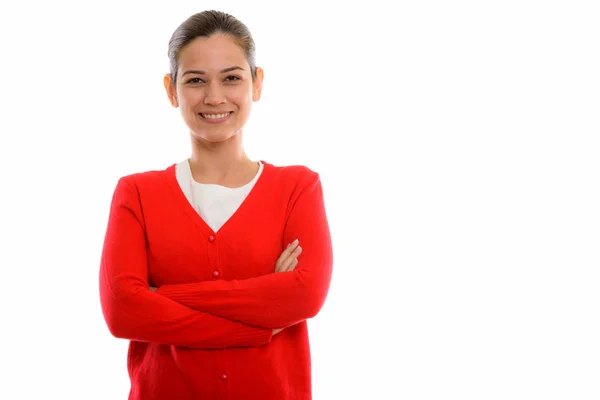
(459, 151)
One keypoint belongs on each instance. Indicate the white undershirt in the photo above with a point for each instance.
(215, 203)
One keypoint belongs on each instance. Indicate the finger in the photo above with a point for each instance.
(290, 248)
(285, 255)
(294, 263)
(297, 252)
(287, 264)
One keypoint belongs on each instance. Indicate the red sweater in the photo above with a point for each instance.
(206, 333)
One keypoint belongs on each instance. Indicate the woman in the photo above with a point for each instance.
(212, 266)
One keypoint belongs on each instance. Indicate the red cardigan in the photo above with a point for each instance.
(206, 333)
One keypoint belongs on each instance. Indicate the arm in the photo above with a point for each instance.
(133, 312)
(281, 299)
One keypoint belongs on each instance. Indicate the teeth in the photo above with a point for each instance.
(214, 116)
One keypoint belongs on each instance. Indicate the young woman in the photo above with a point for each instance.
(211, 267)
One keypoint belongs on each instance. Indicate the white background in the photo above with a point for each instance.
(458, 146)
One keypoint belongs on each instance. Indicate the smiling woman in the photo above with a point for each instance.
(212, 266)
(213, 79)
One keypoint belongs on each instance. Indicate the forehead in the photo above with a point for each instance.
(214, 52)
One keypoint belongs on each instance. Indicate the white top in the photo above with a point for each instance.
(215, 203)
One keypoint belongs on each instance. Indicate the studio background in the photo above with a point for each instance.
(458, 148)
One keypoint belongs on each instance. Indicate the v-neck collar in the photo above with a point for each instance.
(181, 197)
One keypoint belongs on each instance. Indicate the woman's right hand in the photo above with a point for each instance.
(288, 260)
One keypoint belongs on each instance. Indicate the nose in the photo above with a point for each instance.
(214, 95)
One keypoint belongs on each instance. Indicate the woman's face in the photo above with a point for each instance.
(214, 88)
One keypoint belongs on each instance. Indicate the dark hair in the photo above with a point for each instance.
(206, 24)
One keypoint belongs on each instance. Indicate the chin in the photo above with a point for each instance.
(214, 137)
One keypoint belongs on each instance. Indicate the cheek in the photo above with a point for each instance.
(189, 98)
(241, 93)
(242, 99)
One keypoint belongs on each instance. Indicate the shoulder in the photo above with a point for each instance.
(298, 174)
(293, 181)
(148, 175)
(144, 180)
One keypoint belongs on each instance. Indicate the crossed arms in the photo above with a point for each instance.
(214, 314)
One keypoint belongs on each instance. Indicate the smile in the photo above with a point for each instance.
(216, 117)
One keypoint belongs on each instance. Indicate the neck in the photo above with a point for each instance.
(224, 163)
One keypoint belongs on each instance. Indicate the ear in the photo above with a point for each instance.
(257, 84)
(171, 90)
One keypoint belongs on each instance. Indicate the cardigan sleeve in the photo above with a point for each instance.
(280, 299)
(131, 311)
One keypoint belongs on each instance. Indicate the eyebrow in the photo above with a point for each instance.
(193, 71)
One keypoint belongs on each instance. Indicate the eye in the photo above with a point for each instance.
(194, 80)
(232, 78)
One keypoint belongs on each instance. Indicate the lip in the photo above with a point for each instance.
(215, 120)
